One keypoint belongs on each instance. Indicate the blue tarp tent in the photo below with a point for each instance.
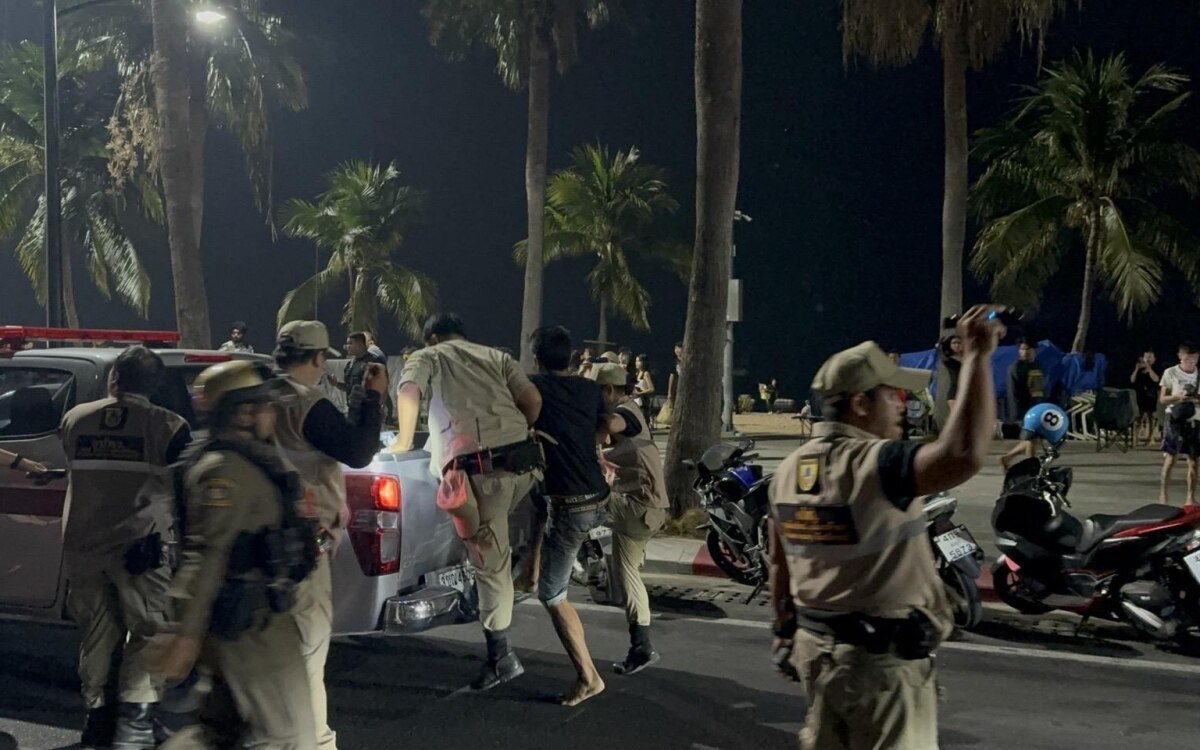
(1049, 357)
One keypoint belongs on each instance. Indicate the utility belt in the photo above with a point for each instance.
(910, 638)
(285, 557)
(577, 503)
(516, 458)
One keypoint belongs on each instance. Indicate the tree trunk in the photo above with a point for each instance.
(197, 134)
(696, 422)
(535, 185)
(1095, 235)
(172, 100)
(68, 290)
(602, 334)
(954, 198)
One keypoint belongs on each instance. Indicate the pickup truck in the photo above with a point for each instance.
(399, 568)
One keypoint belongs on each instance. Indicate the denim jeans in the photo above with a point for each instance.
(566, 532)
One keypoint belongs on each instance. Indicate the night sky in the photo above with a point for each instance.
(841, 171)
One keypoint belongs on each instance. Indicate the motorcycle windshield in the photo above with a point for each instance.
(1021, 472)
(715, 457)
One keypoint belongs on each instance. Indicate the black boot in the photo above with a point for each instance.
(135, 727)
(502, 663)
(641, 653)
(99, 727)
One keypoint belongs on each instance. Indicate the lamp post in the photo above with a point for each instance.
(733, 314)
(54, 258)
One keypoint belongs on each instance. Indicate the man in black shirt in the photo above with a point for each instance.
(576, 495)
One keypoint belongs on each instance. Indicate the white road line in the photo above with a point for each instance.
(1141, 664)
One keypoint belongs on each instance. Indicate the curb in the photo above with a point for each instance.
(690, 557)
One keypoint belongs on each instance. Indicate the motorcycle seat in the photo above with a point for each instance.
(1099, 527)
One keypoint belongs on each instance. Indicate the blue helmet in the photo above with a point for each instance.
(1045, 421)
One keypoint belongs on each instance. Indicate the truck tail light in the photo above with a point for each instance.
(374, 501)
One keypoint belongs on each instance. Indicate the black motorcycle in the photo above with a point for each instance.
(733, 492)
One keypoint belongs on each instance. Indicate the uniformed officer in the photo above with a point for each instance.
(317, 439)
(480, 412)
(854, 583)
(114, 546)
(637, 508)
(244, 551)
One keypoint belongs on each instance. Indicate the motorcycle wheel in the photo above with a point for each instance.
(736, 571)
(964, 594)
(1005, 583)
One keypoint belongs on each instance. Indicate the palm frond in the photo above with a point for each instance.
(1133, 274)
(408, 295)
(301, 302)
(107, 241)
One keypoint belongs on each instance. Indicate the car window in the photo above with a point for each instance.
(33, 400)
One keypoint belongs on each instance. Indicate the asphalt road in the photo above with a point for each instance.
(1023, 684)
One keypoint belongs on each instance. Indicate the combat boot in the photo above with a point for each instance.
(135, 727)
(641, 653)
(502, 663)
(99, 727)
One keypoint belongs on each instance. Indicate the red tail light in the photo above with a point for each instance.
(374, 501)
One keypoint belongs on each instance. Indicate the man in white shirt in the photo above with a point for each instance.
(1181, 434)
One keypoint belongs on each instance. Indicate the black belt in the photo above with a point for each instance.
(912, 637)
(577, 503)
(517, 458)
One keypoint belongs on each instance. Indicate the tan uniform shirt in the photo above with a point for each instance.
(472, 391)
(849, 547)
(324, 480)
(226, 495)
(117, 453)
(638, 461)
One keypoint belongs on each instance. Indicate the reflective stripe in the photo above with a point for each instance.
(139, 467)
(872, 545)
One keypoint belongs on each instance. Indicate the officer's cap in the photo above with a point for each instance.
(305, 335)
(609, 373)
(236, 382)
(864, 367)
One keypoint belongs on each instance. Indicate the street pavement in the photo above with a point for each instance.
(1022, 683)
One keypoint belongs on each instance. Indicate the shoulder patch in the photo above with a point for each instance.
(808, 476)
(113, 417)
(217, 492)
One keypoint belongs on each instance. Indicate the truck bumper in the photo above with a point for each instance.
(424, 608)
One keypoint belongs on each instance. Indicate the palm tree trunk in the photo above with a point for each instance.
(696, 423)
(954, 198)
(68, 290)
(602, 334)
(172, 100)
(535, 184)
(197, 132)
(1095, 235)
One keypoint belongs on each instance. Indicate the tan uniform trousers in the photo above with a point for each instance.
(118, 614)
(260, 693)
(863, 701)
(495, 495)
(313, 612)
(633, 523)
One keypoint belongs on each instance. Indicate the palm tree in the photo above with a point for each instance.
(605, 205)
(523, 34)
(361, 219)
(1085, 154)
(177, 81)
(696, 423)
(91, 201)
(967, 33)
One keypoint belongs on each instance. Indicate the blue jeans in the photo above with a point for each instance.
(565, 534)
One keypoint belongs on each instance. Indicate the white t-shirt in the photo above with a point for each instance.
(1175, 380)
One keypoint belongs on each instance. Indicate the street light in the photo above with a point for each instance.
(209, 17)
(733, 314)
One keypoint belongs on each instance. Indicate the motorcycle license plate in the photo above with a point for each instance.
(956, 543)
(460, 577)
(1193, 563)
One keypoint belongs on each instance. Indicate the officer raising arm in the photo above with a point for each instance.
(854, 583)
(481, 407)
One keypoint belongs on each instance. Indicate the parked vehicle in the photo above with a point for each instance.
(733, 492)
(400, 566)
(1142, 568)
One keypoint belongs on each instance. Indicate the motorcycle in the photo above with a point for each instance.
(1142, 568)
(733, 494)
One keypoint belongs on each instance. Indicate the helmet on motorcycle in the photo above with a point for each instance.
(1047, 422)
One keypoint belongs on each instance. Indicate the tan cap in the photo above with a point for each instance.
(864, 367)
(608, 373)
(306, 335)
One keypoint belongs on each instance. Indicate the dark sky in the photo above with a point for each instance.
(841, 171)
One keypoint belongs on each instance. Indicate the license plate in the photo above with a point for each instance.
(956, 543)
(460, 577)
(1193, 563)
(600, 532)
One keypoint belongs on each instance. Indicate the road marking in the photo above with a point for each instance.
(1146, 665)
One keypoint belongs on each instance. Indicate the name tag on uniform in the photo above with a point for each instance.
(806, 525)
(109, 448)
